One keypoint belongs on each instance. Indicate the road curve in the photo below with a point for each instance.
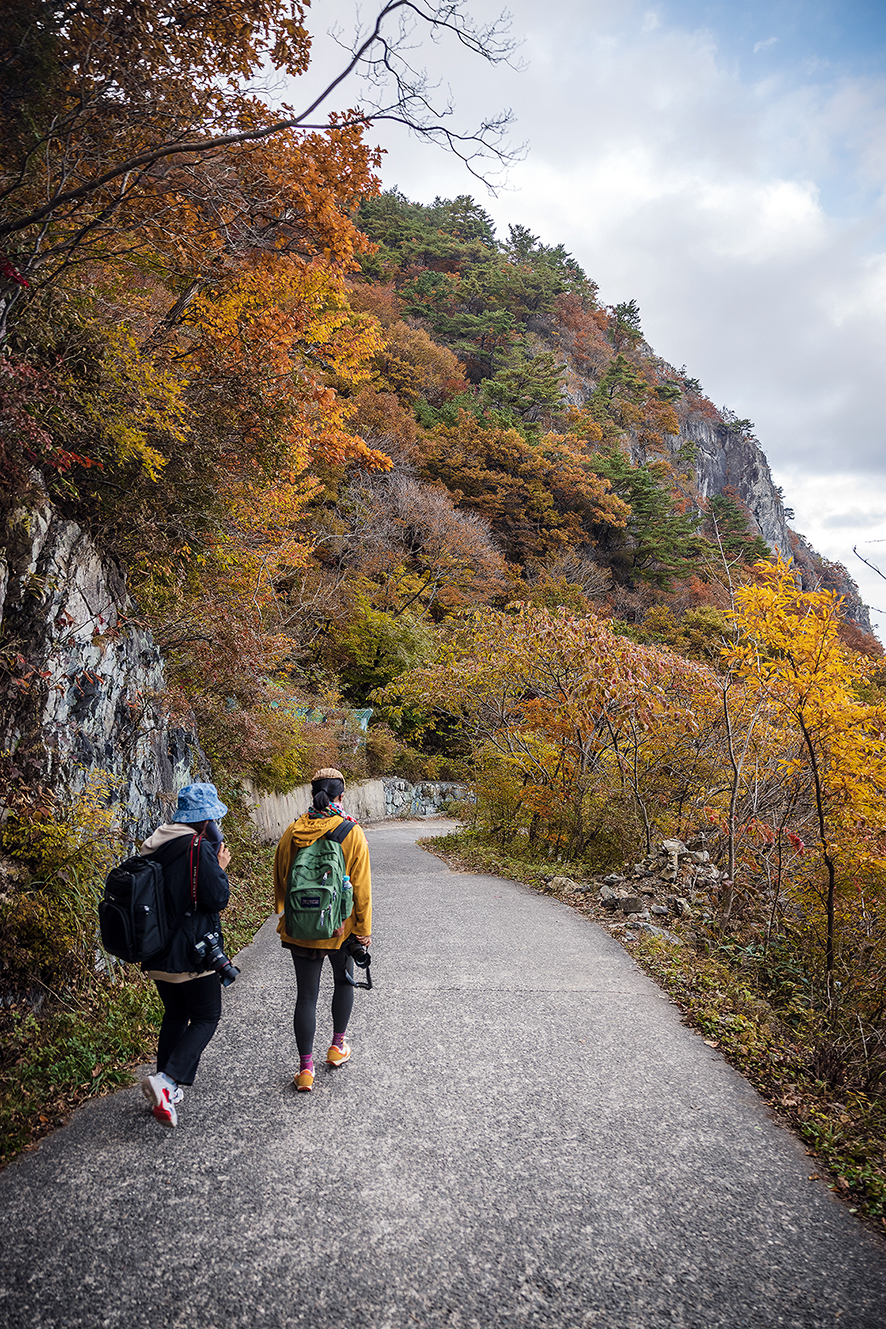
(526, 1136)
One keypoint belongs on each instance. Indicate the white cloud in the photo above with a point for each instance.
(856, 520)
(836, 512)
(752, 222)
(766, 45)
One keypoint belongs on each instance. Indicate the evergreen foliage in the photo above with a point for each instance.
(664, 543)
(731, 522)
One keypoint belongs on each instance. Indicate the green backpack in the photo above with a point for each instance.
(319, 896)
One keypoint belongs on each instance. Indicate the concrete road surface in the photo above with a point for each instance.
(526, 1136)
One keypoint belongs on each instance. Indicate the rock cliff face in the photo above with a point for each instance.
(725, 457)
(81, 682)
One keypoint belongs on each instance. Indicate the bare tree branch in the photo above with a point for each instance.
(872, 566)
(379, 60)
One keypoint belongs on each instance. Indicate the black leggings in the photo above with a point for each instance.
(191, 1012)
(307, 979)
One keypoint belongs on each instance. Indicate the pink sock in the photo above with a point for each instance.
(338, 1041)
(306, 1063)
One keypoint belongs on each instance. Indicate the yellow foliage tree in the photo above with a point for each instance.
(790, 651)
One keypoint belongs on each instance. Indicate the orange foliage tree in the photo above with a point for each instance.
(97, 141)
(572, 727)
(537, 498)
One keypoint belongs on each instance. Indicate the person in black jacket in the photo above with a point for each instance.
(197, 890)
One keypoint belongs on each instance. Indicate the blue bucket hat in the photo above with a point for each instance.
(199, 802)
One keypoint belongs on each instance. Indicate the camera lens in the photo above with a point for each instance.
(227, 972)
(208, 951)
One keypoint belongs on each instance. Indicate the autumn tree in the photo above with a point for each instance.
(409, 364)
(580, 329)
(409, 539)
(99, 146)
(790, 651)
(572, 726)
(537, 496)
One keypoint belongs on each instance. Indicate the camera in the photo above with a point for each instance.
(358, 953)
(208, 950)
(360, 957)
(214, 835)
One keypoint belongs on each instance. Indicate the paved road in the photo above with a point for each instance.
(526, 1136)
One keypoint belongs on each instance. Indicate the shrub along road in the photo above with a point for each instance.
(526, 1135)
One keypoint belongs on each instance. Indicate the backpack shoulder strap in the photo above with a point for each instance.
(339, 832)
(168, 853)
(193, 869)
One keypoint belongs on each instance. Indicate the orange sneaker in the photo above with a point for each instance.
(337, 1056)
(304, 1081)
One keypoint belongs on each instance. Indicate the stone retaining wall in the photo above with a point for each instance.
(272, 813)
(403, 799)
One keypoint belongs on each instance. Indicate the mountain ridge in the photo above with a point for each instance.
(584, 338)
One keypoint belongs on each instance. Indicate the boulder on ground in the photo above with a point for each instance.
(674, 847)
(563, 884)
(632, 904)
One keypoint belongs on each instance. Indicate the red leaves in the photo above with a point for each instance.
(28, 395)
(12, 274)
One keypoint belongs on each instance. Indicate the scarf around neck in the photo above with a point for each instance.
(331, 810)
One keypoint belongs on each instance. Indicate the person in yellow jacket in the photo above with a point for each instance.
(325, 814)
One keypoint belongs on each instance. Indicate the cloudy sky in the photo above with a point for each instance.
(723, 163)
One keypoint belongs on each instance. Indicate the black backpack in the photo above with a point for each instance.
(133, 913)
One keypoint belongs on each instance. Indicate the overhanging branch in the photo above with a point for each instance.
(383, 62)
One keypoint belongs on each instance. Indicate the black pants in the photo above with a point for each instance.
(191, 1012)
(307, 980)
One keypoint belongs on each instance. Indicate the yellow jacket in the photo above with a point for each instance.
(356, 852)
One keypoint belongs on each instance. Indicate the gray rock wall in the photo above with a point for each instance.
(426, 799)
(81, 680)
(371, 800)
(727, 459)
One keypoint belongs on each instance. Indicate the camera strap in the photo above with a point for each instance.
(364, 965)
(194, 865)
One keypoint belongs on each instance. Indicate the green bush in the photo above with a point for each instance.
(53, 1059)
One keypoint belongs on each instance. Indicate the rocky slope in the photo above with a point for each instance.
(725, 459)
(728, 457)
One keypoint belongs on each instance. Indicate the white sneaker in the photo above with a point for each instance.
(162, 1099)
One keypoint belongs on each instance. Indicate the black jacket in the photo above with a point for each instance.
(213, 892)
